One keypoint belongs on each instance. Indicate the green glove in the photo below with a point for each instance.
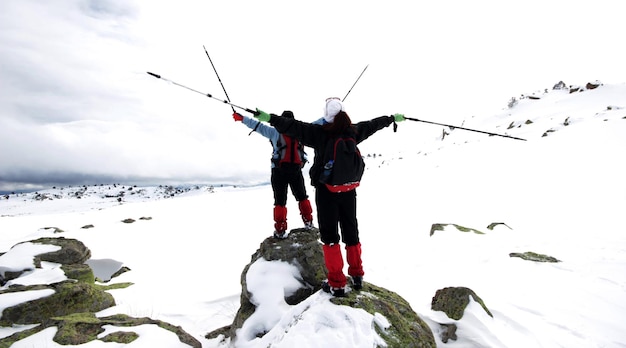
(398, 117)
(262, 116)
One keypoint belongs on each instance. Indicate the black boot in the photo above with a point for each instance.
(337, 292)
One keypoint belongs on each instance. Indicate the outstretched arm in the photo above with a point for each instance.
(366, 128)
(308, 134)
(259, 127)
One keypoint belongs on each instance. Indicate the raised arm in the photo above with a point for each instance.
(308, 134)
(259, 127)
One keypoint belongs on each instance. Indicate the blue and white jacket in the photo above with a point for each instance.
(272, 134)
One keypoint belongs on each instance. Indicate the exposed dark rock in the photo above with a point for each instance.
(441, 227)
(454, 300)
(532, 256)
(72, 251)
(124, 269)
(494, 224)
(593, 85)
(72, 304)
(68, 297)
(79, 271)
(448, 332)
(120, 337)
(54, 229)
(303, 250)
(407, 329)
(80, 328)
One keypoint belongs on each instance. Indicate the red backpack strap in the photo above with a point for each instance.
(290, 153)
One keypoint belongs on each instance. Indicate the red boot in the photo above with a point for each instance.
(355, 265)
(280, 221)
(334, 265)
(306, 212)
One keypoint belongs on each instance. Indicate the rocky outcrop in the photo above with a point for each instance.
(453, 301)
(67, 297)
(407, 329)
(303, 250)
(70, 305)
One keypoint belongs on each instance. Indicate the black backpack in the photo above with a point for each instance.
(343, 164)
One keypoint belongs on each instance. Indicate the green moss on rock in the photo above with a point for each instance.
(72, 251)
(77, 328)
(441, 227)
(407, 329)
(532, 256)
(69, 297)
(81, 272)
(115, 286)
(454, 300)
(120, 337)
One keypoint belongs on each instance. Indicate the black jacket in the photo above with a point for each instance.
(314, 136)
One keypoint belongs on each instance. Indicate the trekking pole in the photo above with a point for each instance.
(204, 94)
(357, 80)
(218, 77)
(467, 129)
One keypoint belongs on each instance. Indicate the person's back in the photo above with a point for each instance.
(343, 163)
(334, 209)
(288, 158)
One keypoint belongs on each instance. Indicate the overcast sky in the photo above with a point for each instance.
(76, 104)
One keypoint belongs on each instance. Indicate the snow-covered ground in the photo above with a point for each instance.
(563, 195)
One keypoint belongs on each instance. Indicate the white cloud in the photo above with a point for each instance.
(75, 73)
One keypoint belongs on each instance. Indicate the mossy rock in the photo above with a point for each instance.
(81, 272)
(407, 329)
(81, 328)
(8, 341)
(120, 337)
(115, 286)
(76, 328)
(494, 224)
(441, 227)
(454, 300)
(69, 297)
(72, 251)
(302, 249)
(532, 256)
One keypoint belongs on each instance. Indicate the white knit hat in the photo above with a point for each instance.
(333, 107)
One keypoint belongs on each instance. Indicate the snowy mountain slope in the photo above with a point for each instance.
(562, 194)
